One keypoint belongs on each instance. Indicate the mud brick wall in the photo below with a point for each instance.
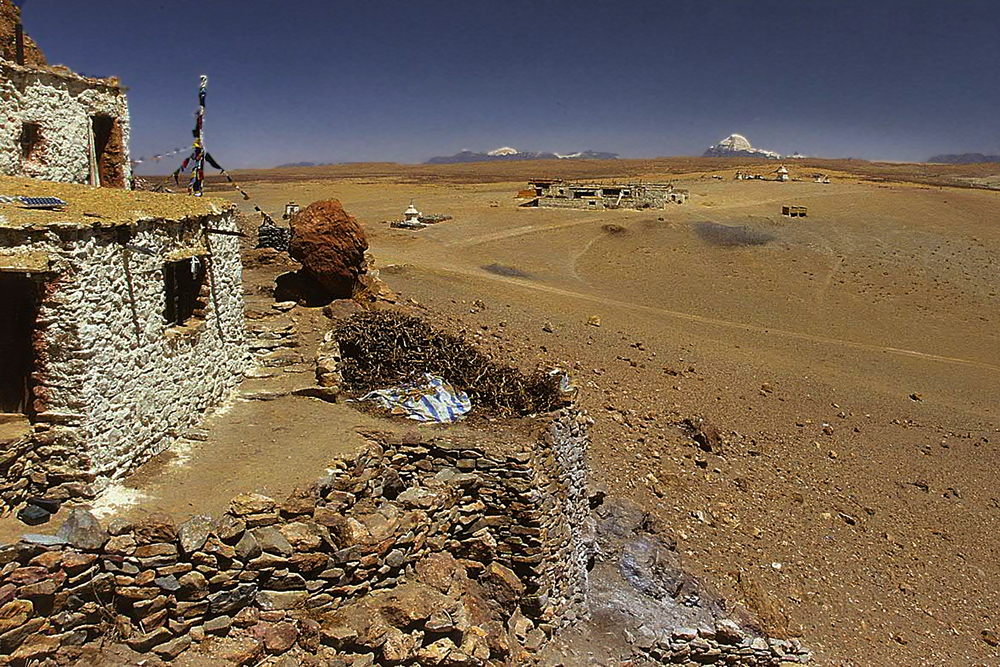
(517, 519)
(62, 104)
(113, 384)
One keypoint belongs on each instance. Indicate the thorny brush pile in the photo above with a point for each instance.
(382, 348)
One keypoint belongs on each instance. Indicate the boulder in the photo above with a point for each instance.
(398, 647)
(331, 246)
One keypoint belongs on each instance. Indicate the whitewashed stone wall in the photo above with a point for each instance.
(114, 384)
(62, 103)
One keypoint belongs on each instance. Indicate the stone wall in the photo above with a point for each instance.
(366, 534)
(724, 644)
(113, 384)
(62, 104)
(535, 512)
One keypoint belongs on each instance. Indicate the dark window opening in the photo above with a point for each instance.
(18, 304)
(109, 152)
(186, 289)
(31, 138)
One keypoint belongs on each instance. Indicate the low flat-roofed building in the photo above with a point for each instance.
(559, 194)
(123, 323)
(60, 126)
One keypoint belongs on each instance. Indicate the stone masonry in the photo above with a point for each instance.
(62, 106)
(514, 523)
(112, 382)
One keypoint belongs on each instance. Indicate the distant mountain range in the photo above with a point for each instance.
(301, 164)
(508, 153)
(964, 158)
(736, 145)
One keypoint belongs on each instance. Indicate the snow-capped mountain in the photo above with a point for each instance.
(508, 153)
(736, 145)
(502, 151)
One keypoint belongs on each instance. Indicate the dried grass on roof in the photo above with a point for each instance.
(88, 206)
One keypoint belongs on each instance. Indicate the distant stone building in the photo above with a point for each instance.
(558, 194)
(123, 323)
(781, 173)
(60, 126)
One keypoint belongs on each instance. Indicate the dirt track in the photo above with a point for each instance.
(851, 359)
(869, 516)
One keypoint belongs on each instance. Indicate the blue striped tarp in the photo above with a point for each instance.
(428, 400)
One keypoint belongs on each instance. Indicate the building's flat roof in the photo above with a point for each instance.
(88, 207)
(630, 184)
(61, 72)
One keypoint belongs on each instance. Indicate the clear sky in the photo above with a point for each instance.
(337, 81)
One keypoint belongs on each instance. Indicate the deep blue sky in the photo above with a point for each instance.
(332, 81)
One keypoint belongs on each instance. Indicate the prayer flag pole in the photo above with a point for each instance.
(197, 158)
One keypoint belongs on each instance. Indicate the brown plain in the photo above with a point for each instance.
(851, 360)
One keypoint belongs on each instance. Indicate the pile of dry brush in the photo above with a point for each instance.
(383, 348)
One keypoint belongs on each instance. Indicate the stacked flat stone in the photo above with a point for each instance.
(510, 521)
(724, 644)
(535, 513)
(270, 235)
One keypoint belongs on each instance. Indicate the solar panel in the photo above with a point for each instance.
(41, 202)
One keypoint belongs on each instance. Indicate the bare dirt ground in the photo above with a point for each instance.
(851, 358)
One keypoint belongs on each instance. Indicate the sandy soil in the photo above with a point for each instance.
(851, 359)
(868, 514)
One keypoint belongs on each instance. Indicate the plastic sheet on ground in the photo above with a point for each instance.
(428, 400)
(567, 389)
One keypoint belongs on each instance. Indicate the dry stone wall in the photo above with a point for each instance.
(508, 530)
(62, 104)
(113, 384)
(724, 644)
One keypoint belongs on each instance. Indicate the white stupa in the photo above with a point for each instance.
(782, 173)
(411, 214)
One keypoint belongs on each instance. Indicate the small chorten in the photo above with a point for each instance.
(411, 214)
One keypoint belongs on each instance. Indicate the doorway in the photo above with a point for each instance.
(109, 152)
(18, 305)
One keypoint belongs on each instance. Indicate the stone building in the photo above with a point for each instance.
(123, 322)
(60, 126)
(558, 194)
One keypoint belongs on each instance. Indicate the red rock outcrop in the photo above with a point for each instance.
(10, 16)
(331, 246)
